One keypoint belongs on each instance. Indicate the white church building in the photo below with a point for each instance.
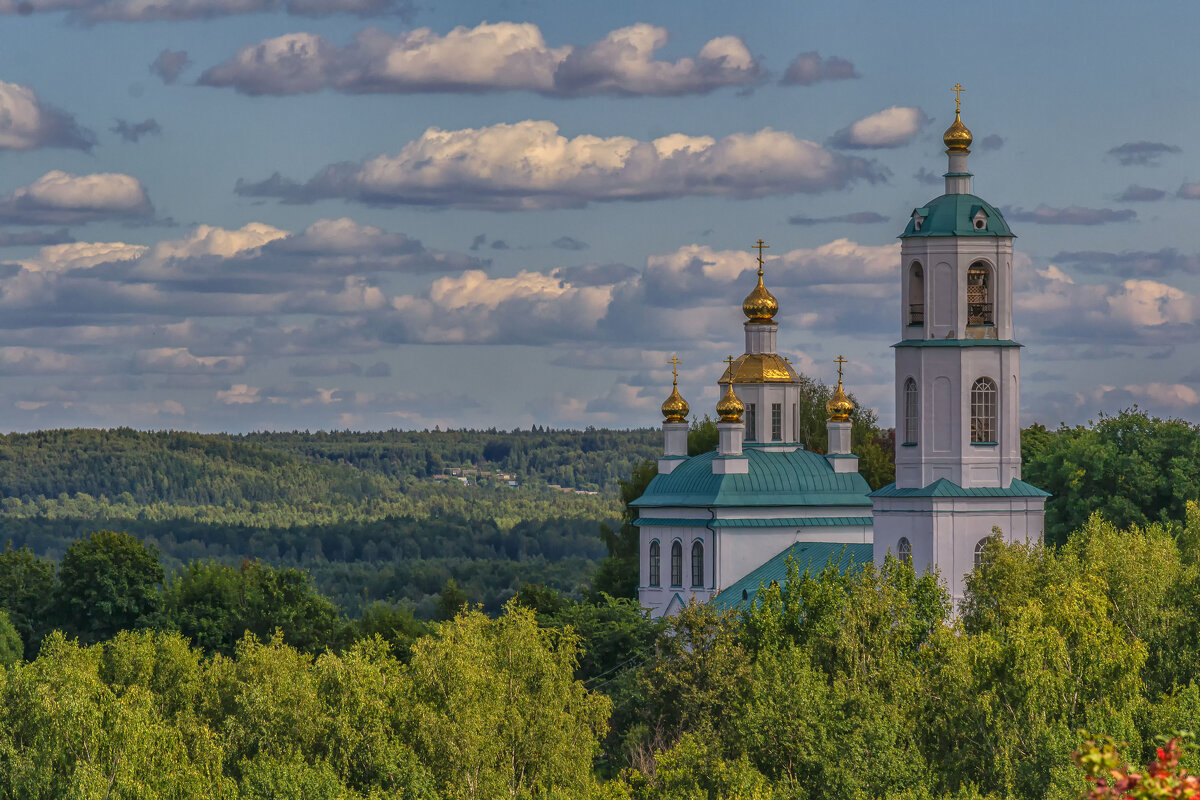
(716, 526)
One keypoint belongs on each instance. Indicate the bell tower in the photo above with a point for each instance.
(958, 379)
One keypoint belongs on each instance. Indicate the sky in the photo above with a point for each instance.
(237, 215)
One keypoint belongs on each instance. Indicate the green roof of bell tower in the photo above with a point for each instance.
(954, 215)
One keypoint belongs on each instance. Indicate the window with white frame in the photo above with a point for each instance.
(983, 411)
(776, 422)
(979, 548)
(697, 563)
(676, 563)
(751, 434)
(904, 549)
(654, 564)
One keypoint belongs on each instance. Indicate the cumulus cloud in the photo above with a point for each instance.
(1140, 194)
(27, 123)
(36, 360)
(81, 255)
(489, 57)
(180, 360)
(1072, 215)
(169, 65)
(809, 68)
(855, 218)
(1141, 154)
(1131, 311)
(892, 127)
(239, 394)
(133, 131)
(59, 198)
(530, 165)
(92, 11)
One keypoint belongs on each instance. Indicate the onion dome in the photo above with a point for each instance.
(675, 408)
(839, 406)
(957, 138)
(729, 408)
(760, 306)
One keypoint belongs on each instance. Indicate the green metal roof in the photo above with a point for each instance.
(952, 215)
(809, 556)
(944, 488)
(957, 343)
(797, 478)
(781, 522)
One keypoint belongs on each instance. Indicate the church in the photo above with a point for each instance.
(714, 527)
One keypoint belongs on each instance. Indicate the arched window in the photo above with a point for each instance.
(697, 563)
(916, 295)
(904, 548)
(676, 563)
(983, 411)
(654, 563)
(979, 551)
(912, 411)
(979, 295)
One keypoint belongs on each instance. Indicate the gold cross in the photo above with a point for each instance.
(729, 361)
(957, 102)
(761, 245)
(674, 362)
(839, 360)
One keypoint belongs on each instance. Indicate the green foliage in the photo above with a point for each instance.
(11, 649)
(108, 583)
(1132, 468)
(619, 573)
(215, 605)
(497, 711)
(26, 591)
(702, 436)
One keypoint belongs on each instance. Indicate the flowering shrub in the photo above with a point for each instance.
(1112, 779)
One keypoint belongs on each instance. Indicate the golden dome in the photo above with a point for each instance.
(729, 408)
(760, 306)
(957, 138)
(760, 368)
(839, 406)
(675, 408)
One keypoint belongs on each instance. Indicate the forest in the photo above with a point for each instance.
(322, 647)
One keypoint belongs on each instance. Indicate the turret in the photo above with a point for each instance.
(838, 428)
(675, 425)
(730, 460)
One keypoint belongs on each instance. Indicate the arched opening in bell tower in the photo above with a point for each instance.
(980, 300)
(916, 294)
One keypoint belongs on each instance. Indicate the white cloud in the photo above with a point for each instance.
(180, 360)
(239, 394)
(530, 165)
(1150, 303)
(26, 122)
(60, 197)
(81, 255)
(208, 240)
(892, 127)
(489, 57)
(32, 360)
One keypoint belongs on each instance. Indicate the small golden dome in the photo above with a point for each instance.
(729, 408)
(957, 138)
(675, 408)
(839, 406)
(760, 306)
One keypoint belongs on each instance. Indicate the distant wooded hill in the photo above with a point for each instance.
(361, 511)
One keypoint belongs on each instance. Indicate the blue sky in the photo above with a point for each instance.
(248, 214)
